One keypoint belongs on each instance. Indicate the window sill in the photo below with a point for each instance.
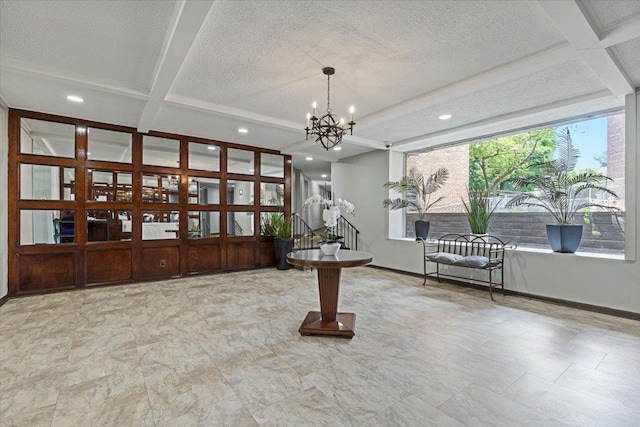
(619, 257)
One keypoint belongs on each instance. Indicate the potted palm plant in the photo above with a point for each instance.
(276, 225)
(478, 209)
(283, 241)
(563, 192)
(417, 190)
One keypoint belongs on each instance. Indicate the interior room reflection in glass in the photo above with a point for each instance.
(158, 151)
(271, 194)
(107, 225)
(47, 138)
(204, 157)
(110, 186)
(239, 223)
(204, 224)
(160, 189)
(204, 191)
(160, 225)
(239, 192)
(108, 145)
(47, 227)
(240, 161)
(42, 182)
(272, 165)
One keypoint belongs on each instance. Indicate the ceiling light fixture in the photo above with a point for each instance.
(338, 148)
(445, 117)
(211, 147)
(327, 129)
(324, 175)
(309, 159)
(75, 98)
(243, 130)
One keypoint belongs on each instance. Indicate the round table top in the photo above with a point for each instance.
(315, 258)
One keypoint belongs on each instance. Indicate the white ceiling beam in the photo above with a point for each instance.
(261, 119)
(48, 73)
(626, 31)
(575, 26)
(188, 19)
(493, 77)
(494, 124)
(230, 112)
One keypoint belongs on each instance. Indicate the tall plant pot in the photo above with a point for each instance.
(422, 229)
(564, 238)
(281, 248)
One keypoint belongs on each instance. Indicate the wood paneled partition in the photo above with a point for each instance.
(93, 203)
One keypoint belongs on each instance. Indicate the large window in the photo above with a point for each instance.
(497, 164)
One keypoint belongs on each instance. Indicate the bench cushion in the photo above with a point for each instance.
(476, 261)
(444, 257)
(473, 261)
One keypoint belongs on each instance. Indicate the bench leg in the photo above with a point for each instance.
(424, 270)
(438, 271)
(491, 284)
(502, 280)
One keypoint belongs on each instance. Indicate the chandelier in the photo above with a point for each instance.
(327, 130)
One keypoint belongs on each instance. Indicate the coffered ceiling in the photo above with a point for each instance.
(207, 68)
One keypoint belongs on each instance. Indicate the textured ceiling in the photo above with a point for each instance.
(565, 80)
(381, 58)
(609, 14)
(206, 68)
(115, 42)
(629, 56)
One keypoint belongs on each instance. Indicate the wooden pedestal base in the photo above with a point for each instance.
(341, 327)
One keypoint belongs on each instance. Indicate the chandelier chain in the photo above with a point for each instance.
(328, 93)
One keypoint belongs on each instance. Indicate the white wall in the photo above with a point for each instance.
(4, 190)
(603, 282)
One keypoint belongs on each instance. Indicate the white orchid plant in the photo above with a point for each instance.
(330, 214)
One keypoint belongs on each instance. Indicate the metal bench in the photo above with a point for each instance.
(481, 252)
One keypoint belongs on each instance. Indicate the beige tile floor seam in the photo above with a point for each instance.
(224, 350)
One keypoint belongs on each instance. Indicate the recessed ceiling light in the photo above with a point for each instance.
(211, 147)
(309, 159)
(337, 148)
(445, 117)
(324, 175)
(88, 154)
(75, 98)
(252, 170)
(243, 130)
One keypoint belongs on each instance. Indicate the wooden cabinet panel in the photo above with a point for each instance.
(160, 262)
(267, 254)
(240, 255)
(47, 271)
(204, 258)
(109, 266)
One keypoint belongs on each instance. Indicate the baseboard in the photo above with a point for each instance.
(573, 304)
(3, 300)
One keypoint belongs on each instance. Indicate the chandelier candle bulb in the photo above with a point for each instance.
(351, 111)
(341, 121)
(314, 106)
(308, 119)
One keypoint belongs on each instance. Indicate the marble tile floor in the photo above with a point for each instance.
(224, 350)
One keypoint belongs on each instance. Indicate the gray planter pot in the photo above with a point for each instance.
(564, 238)
(282, 247)
(421, 229)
